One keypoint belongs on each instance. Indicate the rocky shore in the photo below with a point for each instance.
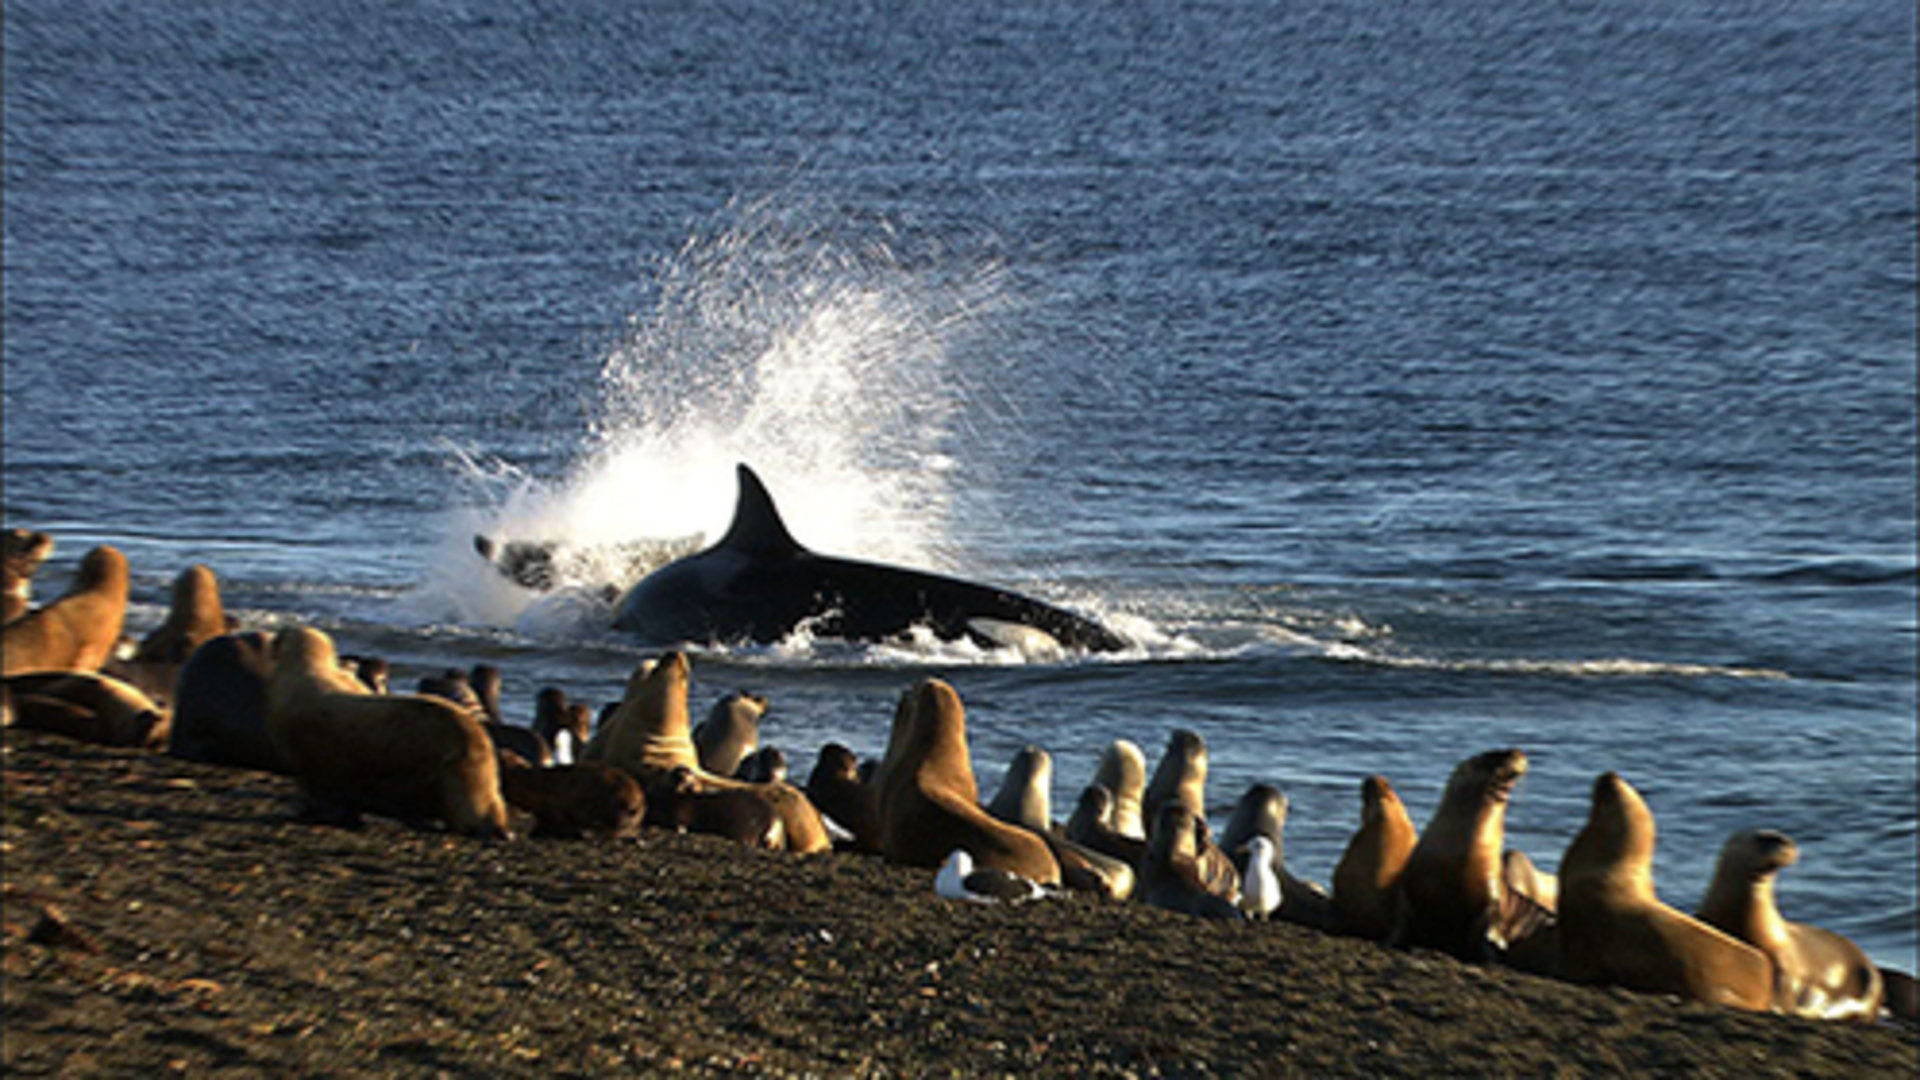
(167, 918)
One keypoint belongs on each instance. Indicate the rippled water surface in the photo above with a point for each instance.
(1407, 382)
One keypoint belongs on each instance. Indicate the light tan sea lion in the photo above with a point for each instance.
(730, 733)
(1366, 880)
(92, 708)
(1451, 890)
(77, 632)
(23, 551)
(836, 790)
(1173, 876)
(194, 617)
(411, 756)
(1091, 827)
(1123, 772)
(930, 801)
(1816, 972)
(1262, 812)
(1614, 930)
(1025, 796)
(648, 736)
(1181, 774)
(571, 801)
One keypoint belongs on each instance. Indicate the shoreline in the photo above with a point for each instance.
(206, 932)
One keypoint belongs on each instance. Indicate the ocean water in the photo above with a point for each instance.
(1407, 380)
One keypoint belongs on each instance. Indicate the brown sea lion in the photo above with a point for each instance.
(1816, 972)
(549, 712)
(688, 803)
(415, 756)
(1365, 898)
(1614, 930)
(1451, 892)
(1262, 812)
(836, 790)
(77, 632)
(767, 765)
(90, 707)
(373, 673)
(452, 685)
(930, 802)
(485, 681)
(1173, 876)
(220, 704)
(730, 733)
(1181, 774)
(1091, 827)
(23, 551)
(648, 736)
(194, 616)
(571, 801)
(1123, 772)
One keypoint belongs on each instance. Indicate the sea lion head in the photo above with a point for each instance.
(1759, 853)
(579, 720)
(1378, 799)
(1175, 834)
(1262, 811)
(24, 550)
(662, 698)
(304, 649)
(837, 762)
(1489, 777)
(485, 681)
(767, 765)
(1618, 838)
(103, 569)
(372, 671)
(1026, 792)
(936, 738)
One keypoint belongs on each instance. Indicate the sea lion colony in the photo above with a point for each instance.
(203, 690)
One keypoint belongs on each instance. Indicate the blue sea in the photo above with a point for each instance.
(1406, 380)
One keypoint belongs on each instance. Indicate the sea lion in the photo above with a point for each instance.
(1091, 827)
(766, 765)
(543, 565)
(1816, 972)
(1365, 898)
(452, 685)
(549, 712)
(1025, 796)
(648, 736)
(90, 707)
(570, 801)
(836, 790)
(690, 803)
(194, 616)
(930, 802)
(1451, 892)
(1614, 930)
(1262, 813)
(1181, 774)
(23, 550)
(410, 756)
(220, 704)
(1172, 876)
(77, 632)
(730, 732)
(484, 679)
(373, 673)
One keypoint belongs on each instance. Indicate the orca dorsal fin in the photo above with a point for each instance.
(757, 528)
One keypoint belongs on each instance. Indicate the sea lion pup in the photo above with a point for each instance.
(1123, 772)
(1262, 813)
(220, 704)
(484, 680)
(24, 550)
(1025, 799)
(1181, 774)
(1614, 930)
(563, 724)
(1172, 875)
(570, 801)
(373, 673)
(411, 756)
(90, 707)
(77, 632)
(730, 732)
(688, 802)
(452, 685)
(930, 802)
(767, 765)
(836, 789)
(1451, 892)
(1091, 827)
(1365, 897)
(1816, 972)
(648, 736)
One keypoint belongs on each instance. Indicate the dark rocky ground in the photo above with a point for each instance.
(166, 917)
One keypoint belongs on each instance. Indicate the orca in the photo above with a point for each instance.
(758, 584)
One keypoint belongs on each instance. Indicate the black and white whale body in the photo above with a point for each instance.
(758, 584)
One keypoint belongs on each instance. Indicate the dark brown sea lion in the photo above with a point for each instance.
(415, 757)
(1365, 882)
(930, 802)
(220, 704)
(1123, 772)
(77, 632)
(373, 673)
(1614, 930)
(90, 707)
(687, 802)
(648, 736)
(571, 801)
(1816, 972)
(485, 681)
(1262, 812)
(836, 790)
(564, 725)
(23, 551)
(730, 733)
(767, 765)
(1451, 892)
(1091, 827)
(1181, 774)
(452, 685)
(549, 712)
(1173, 875)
